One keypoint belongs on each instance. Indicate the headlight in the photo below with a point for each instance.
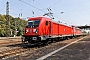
(27, 30)
(35, 30)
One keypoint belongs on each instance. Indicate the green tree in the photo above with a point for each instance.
(16, 25)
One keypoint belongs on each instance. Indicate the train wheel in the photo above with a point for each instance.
(23, 39)
(45, 42)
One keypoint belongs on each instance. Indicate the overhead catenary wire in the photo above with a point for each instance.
(63, 20)
(1, 10)
(55, 3)
(48, 14)
(42, 10)
(51, 6)
(73, 11)
(31, 5)
(73, 4)
(49, 9)
(39, 3)
(15, 9)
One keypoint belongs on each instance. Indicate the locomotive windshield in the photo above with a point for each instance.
(33, 23)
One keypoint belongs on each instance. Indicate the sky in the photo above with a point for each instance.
(75, 12)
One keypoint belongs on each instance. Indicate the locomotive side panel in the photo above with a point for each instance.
(55, 29)
(78, 32)
(61, 29)
(69, 30)
(42, 27)
(45, 27)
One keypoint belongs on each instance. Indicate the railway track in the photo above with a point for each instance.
(33, 50)
(9, 41)
(10, 47)
(15, 51)
(12, 52)
(8, 38)
(10, 44)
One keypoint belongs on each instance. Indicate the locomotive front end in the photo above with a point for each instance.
(31, 31)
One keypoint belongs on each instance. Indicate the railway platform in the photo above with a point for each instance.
(79, 50)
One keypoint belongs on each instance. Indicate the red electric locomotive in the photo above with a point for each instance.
(41, 29)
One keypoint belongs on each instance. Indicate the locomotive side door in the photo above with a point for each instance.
(48, 28)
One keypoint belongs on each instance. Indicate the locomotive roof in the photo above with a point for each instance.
(38, 17)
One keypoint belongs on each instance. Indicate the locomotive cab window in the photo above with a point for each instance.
(33, 23)
(46, 23)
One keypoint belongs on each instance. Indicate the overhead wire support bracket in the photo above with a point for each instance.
(50, 14)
